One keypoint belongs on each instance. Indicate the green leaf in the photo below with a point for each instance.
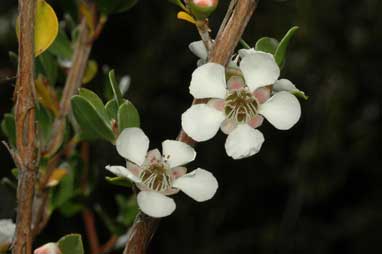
(49, 65)
(71, 208)
(119, 181)
(15, 172)
(128, 209)
(112, 109)
(128, 116)
(95, 101)
(45, 121)
(267, 44)
(61, 46)
(109, 222)
(178, 3)
(115, 6)
(300, 94)
(8, 126)
(65, 190)
(92, 123)
(115, 87)
(283, 45)
(71, 244)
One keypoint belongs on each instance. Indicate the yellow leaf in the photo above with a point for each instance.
(46, 95)
(56, 176)
(90, 71)
(45, 27)
(185, 16)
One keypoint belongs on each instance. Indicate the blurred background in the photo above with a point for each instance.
(313, 189)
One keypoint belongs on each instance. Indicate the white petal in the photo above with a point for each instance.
(177, 153)
(155, 204)
(244, 141)
(284, 85)
(228, 126)
(199, 184)
(201, 122)
(244, 52)
(208, 81)
(48, 248)
(259, 69)
(132, 144)
(199, 49)
(282, 110)
(123, 172)
(7, 229)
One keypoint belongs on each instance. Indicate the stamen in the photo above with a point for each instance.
(240, 105)
(155, 177)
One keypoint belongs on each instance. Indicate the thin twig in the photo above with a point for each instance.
(91, 231)
(73, 82)
(204, 32)
(144, 226)
(26, 156)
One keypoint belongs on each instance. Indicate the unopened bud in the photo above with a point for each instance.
(48, 248)
(202, 9)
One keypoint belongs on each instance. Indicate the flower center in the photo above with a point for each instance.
(240, 105)
(156, 178)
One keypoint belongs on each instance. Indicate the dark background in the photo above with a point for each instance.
(313, 189)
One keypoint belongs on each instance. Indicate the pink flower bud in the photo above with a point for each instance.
(202, 9)
(48, 248)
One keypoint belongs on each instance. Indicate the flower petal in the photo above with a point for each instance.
(284, 85)
(155, 204)
(178, 172)
(7, 229)
(177, 153)
(132, 144)
(199, 184)
(124, 172)
(245, 52)
(48, 248)
(208, 81)
(244, 141)
(153, 157)
(259, 69)
(199, 49)
(201, 122)
(228, 126)
(217, 104)
(282, 110)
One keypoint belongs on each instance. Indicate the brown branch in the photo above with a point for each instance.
(26, 156)
(73, 82)
(91, 231)
(108, 245)
(144, 226)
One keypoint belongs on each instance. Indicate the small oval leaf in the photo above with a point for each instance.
(283, 45)
(128, 116)
(45, 28)
(267, 44)
(90, 71)
(71, 244)
(92, 124)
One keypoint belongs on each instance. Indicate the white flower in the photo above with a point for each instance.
(158, 176)
(48, 248)
(7, 230)
(238, 105)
